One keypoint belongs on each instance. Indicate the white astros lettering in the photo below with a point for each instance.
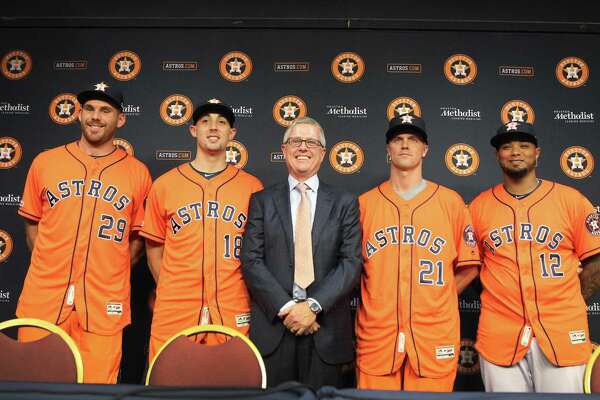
(194, 212)
(77, 187)
(527, 232)
(408, 236)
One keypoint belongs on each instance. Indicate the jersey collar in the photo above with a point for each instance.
(190, 173)
(387, 189)
(500, 192)
(74, 149)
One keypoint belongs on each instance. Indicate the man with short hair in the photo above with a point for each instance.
(83, 204)
(419, 251)
(534, 234)
(301, 260)
(195, 218)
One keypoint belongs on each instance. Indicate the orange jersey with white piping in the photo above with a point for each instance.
(85, 208)
(200, 222)
(531, 250)
(409, 301)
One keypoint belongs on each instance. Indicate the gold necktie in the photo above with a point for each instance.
(304, 273)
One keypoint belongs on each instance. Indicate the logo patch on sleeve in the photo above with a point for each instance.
(577, 337)
(114, 308)
(469, 236)
(592, 223)
(242, 320)
(443, 352)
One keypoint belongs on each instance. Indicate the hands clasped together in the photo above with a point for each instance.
(299, 319)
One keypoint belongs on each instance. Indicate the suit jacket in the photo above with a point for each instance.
(268, 266)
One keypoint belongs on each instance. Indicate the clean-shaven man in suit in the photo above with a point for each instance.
(301, 258)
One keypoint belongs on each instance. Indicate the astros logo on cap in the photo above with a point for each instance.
(235, 66)
(347, 67)
(16, 65)
(460, 69)
(10, 152)
(401, 106)
(236, 154)
(124, 145)
(176, 109)
(64, 108)
(577, 162)
(125, 65)
(462, 159)
(572, 72)
(468, 360)
(288, 109)
(517, 111)
(346, 157)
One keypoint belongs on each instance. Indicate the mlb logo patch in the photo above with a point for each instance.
(443, 352)
(577, 337)
(114, 308)
(242, 319)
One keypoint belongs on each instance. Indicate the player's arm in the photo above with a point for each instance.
(154, 253)
(31, 231)
(590, 276)
(136, 244)
(463, 276)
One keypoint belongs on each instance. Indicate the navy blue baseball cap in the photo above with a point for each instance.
(102, 91)
(514, 131)
(404, 124)
(215, 106)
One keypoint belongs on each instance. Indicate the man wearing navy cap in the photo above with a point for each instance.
(534, 235)
(83, 205)
(419, 251)
(195, 217)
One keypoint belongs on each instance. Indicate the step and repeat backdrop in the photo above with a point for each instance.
(464, 84)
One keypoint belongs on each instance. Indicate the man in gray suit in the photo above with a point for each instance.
(301, 258)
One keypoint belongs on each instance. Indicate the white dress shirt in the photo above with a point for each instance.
(312, 192)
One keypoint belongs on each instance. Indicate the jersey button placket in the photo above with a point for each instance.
(525, 266)
(405, 279)
(210, 256)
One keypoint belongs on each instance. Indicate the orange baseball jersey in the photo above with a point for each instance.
(531, 251)
(85, 208)
(200, 222)
(409, 300)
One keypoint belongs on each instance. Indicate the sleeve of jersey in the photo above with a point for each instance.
(586, 229)
(257, 185)
(155, 218)
(31, 204)
(140, 200)
(468, 251)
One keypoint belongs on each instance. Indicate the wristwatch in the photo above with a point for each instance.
(314, 306)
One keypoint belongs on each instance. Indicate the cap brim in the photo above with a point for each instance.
(88, 95)
(398, 129)
(502, 138)
(216, 108)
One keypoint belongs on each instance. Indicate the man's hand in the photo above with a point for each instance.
(299, 319)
